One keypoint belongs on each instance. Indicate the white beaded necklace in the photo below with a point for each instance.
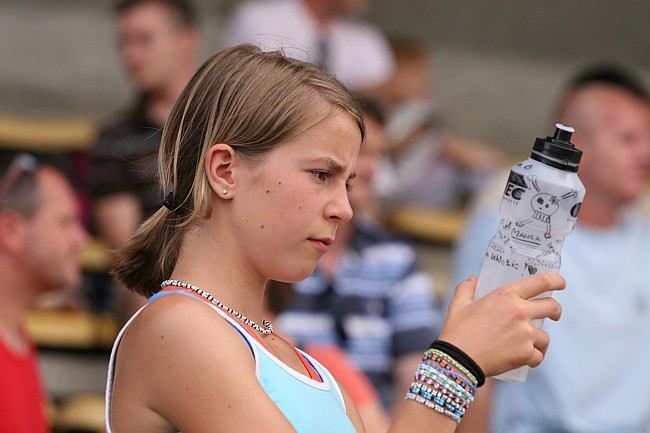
(268, 326)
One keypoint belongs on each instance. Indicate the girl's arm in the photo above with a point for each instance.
(496, 332)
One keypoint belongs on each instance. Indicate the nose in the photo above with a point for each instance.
(643, 152)
(131, 55)
(646, 148)
(81, 235)
(339, 208)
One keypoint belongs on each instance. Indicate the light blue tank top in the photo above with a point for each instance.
(311, 406)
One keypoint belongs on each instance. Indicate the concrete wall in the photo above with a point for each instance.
(499, 63)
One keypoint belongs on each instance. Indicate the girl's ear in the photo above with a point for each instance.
(221, 161)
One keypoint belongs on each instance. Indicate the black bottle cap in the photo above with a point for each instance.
(558, 151)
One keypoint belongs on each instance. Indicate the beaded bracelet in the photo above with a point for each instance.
(440, 401)
(432, 376)
(444, 391)
(432, 405)
(445, 395)
(439, 398)
(457, 377)
(445, 382)
(435, 353)
(450, 392)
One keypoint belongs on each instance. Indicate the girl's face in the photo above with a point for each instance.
(287, 208)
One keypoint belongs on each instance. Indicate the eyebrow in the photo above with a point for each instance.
(333, 166)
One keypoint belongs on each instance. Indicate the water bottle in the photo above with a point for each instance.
(539, 208)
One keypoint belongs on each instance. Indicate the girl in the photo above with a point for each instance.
(256, 161)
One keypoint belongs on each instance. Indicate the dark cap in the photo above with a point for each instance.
(558, 151)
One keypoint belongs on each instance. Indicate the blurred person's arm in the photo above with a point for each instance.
(417, 318)
(472, 154)
(356, 383)
(403, 370)
(117, 216)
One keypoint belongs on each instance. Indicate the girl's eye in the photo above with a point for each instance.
(321, 175)
(348, 186)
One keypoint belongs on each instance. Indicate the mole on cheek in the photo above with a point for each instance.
(262, 226)
(299, 207)
(268, 191)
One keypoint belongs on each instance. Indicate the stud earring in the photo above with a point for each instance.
(224, 191)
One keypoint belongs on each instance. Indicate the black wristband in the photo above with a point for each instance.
(463, 358)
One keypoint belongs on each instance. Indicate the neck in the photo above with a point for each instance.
(161, 101)
(321, 11)
(15, 300)
(219, 272)
(597, 213)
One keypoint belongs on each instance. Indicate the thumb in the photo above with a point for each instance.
(465, 290)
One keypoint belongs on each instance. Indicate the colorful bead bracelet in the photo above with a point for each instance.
(434, 354)
(457, 377)
(444, 381)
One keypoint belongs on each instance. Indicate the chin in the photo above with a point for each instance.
(70, 281)
(633, 194)
(296, 274)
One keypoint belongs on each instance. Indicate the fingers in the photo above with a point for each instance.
(538, 284)
(545, 307)
(465, 290)
(541, 342)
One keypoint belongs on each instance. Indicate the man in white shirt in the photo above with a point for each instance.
(594, 377)
(328, 33)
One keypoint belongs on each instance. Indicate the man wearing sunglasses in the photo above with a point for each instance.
(40, 238)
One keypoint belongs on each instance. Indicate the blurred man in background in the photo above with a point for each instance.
(40, 238)
(594, 377)
(158, 43)
(429, 164)
(328, 33)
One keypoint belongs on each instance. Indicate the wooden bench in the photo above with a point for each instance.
(50, 134)
(431, 225)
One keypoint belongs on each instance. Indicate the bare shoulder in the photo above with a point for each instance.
(178, 317)
(176, 331)
(177, 356)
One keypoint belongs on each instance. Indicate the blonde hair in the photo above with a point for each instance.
(242, 96)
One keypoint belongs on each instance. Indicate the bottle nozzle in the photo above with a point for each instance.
(558, 151)
(563, 132)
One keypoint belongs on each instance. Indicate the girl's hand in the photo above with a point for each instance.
(496, 330)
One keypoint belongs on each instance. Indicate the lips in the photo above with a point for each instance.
(322, 244)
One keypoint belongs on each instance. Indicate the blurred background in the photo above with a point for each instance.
(498, 64)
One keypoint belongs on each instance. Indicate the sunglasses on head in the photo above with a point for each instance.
(21, 165)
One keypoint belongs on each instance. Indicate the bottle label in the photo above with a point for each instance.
(540, 209)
